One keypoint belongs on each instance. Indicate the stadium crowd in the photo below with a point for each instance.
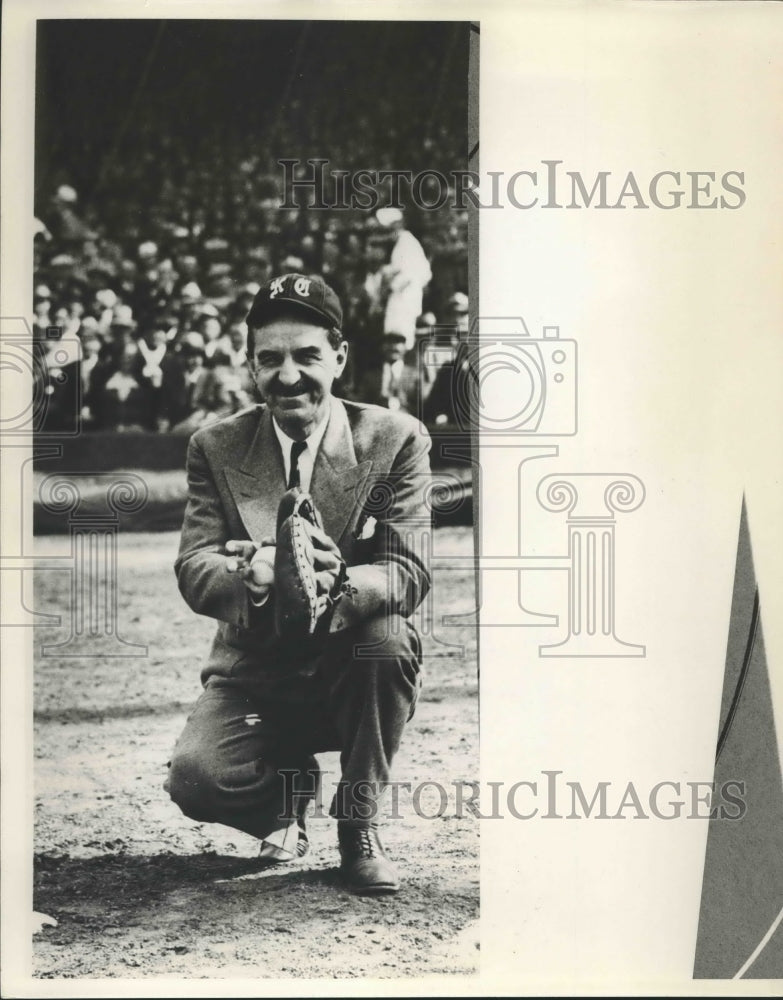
(160, 320)
(160, 207)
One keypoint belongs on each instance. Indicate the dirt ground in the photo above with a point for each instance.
(138, 890)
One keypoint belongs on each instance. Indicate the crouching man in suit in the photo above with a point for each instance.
(270, 700)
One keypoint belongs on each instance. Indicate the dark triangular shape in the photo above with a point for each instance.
(742, 888)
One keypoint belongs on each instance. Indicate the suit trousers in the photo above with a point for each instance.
(245, 758)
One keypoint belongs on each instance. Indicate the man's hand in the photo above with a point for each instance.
(254, 564)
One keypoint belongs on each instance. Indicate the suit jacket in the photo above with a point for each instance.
(370, 481)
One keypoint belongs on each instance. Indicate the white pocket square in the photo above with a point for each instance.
(368, 529)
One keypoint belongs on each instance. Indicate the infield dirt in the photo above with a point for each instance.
(138, 890)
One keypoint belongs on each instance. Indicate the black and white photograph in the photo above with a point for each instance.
(391, 430)
(250, 284)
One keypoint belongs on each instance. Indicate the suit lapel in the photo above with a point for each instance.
(258, 484)
(337, 484)
(338, 481)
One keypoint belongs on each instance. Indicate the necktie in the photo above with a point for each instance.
(296, 450)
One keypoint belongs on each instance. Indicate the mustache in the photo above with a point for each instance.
(277, 389)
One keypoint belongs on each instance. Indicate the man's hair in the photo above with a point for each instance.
(333, 334)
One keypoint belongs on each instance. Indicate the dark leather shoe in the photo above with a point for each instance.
(363, 863)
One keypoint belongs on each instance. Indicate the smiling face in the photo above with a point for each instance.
(294, 365)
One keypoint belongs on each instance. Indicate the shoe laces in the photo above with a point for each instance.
(366, 842)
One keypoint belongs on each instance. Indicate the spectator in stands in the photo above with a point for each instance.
(218, 393)
(448, 248)
(124, 404)
(191, 301)
(210, 328)
(65, 322)
(454, 386)
(64, 275)
(89, 367)
(122, 330)
(165, 282)
(145, 291)
(154, 356)
(397, 383)
(186, 266)
(148, 257)
(41, 319)
(64, 224)
(102, 308)
(220, 286)
(233, 344)
(292, 265)
(458, 314)
(56, 389)
(180, 379)
(126, 283)
(404, 277)
(258, 268)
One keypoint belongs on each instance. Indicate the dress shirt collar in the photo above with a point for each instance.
(313, 443)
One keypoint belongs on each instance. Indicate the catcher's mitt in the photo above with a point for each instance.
(296, 587)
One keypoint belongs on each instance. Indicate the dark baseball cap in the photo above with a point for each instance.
(309, 295)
